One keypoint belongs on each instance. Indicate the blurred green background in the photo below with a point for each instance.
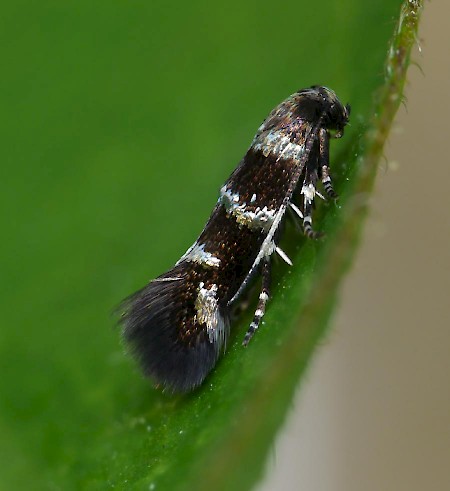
(120, 121)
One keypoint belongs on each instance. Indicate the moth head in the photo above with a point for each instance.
(336, 115)
(320, 104)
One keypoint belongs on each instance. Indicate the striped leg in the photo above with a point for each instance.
(261, 308)
(327, 183)
(324, 163)
(309, 192)
(307, 220)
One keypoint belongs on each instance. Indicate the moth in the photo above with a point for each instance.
(178, 324)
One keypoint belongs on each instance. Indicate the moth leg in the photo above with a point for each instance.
(296, 210)
(261, 307)
(324, 163)
(309, 192)
(307, 220)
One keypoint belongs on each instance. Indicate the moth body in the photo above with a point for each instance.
(177, 325)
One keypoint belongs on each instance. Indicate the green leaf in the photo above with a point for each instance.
(121, 121)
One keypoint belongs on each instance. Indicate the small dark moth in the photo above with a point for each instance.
(178, 324)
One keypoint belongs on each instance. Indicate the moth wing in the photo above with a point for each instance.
(175, 337)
